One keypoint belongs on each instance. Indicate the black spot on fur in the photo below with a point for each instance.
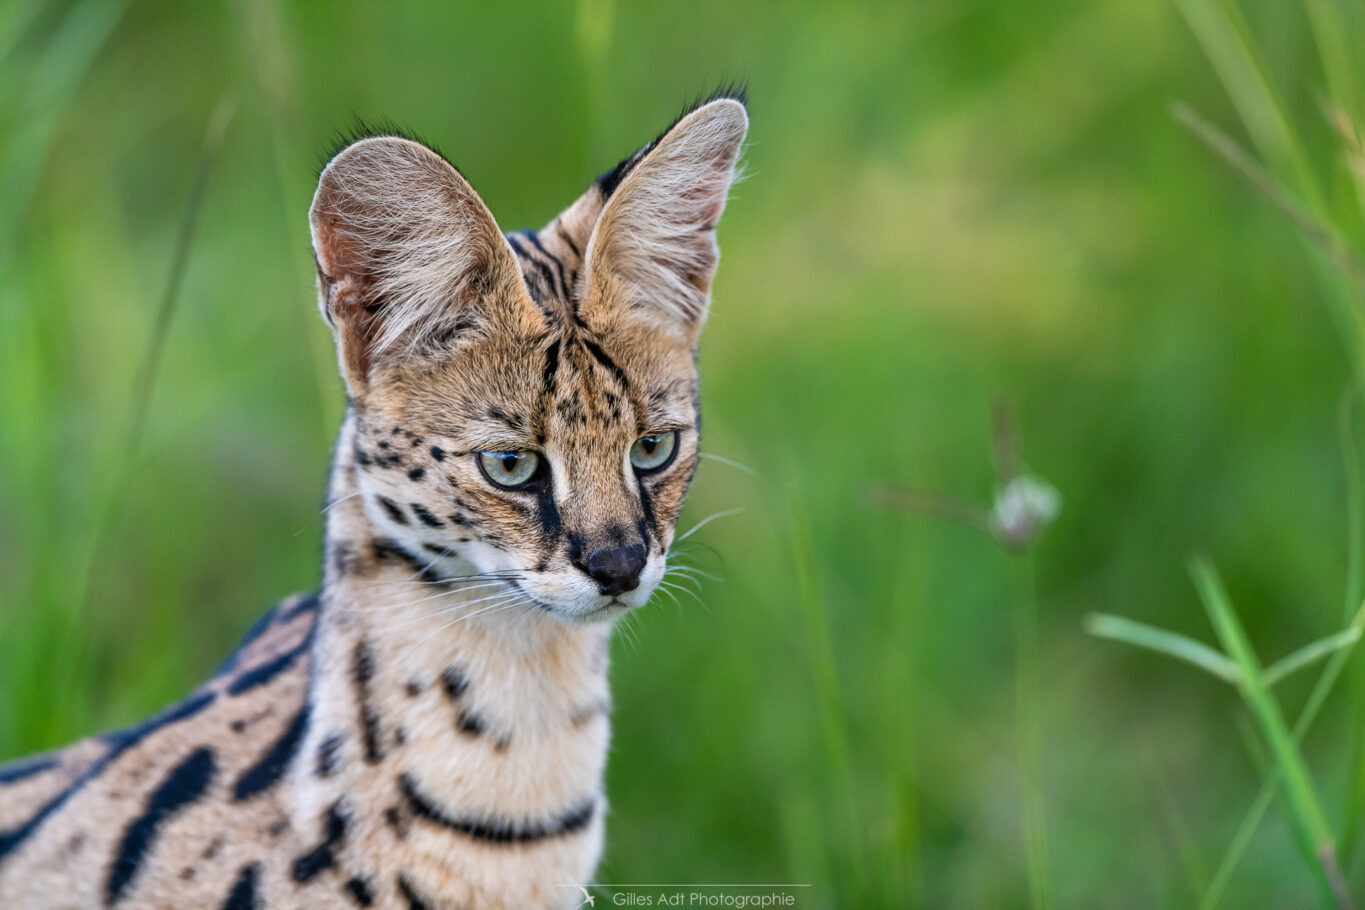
(415, 900)
(270, 768)
(342, 558)
(184, 785)
(393, 510)
(551, 368)
(578, 553)
(568, 241)
(601, 356)
(547, 514)
(501, 416)
(362, 664)
(423, 515)
(244, 894)
(438, 453)
(469, 723)
(534, 239)
(496, 831)
(647, 508)
(580, 717)
(386, 550)
(417, 473)
(323, 856)
(540, 281)
(329, 757)
(362, 672)
(414, 688)
(358, 887)
(454, 682)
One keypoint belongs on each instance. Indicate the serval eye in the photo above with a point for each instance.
(509, 470)
(654, 452)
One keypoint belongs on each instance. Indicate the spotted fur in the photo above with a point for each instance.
(430, 729)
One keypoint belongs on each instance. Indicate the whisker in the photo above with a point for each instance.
(729, 461)
(692, 570)
(686, 581)
(669, 594)
(416, 580)
(490, 603)
(707, 520)
(690, 592)
(628, 633)
(430, 597)
(693, 547)
(336, 502)
(407, 603)
(515, 601)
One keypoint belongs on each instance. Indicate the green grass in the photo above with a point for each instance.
(947, 204)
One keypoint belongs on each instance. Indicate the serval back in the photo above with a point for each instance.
(429, 729)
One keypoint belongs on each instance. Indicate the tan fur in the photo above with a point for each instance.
(431, 729)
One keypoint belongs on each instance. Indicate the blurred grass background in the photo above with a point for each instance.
(948, 203)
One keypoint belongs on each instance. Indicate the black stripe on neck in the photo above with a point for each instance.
(496, 830)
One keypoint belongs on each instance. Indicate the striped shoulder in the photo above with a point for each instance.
(272, 644)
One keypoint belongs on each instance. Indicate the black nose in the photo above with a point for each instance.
(617, 569)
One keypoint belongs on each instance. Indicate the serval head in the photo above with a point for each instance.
(525, 405)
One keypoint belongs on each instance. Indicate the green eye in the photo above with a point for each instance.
(654, 452)
(509, 469)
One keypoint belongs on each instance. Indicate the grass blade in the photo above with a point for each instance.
(1331, 35)
(1322, 235)
(1252, 820)
(1172, 644)
(845, 816)
(1355, 502)
(144, 386)
(1221, 30)
(1309, 654)
(1311, 829)
(1028, 701)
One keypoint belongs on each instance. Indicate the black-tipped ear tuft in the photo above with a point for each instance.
(732, 91)
(380, 128)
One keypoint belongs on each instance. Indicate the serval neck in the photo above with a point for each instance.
(455, 729)
(536, 669)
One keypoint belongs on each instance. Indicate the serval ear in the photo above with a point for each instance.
(652, 252)
(405, 248)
